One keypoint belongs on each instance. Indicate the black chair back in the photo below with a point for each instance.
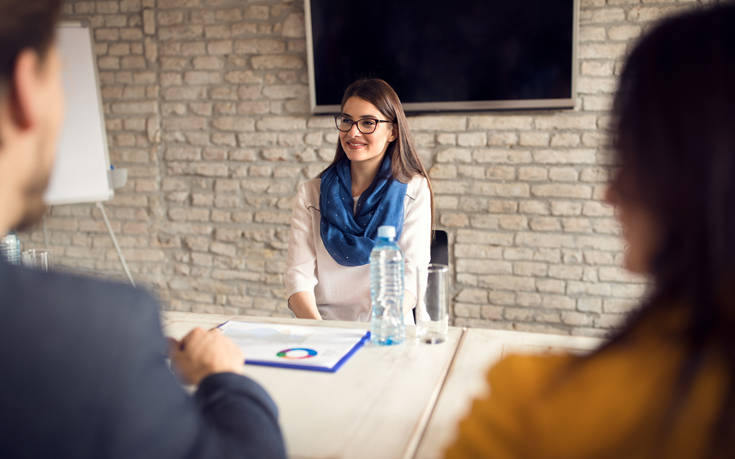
(440, 248)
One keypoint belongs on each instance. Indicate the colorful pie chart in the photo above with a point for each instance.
(296, 353)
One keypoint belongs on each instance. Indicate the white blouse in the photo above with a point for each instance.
(343, 292)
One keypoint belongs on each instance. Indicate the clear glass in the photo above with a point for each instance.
(34, 258)
(432, 316)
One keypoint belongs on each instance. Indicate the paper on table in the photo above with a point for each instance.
(295, 346)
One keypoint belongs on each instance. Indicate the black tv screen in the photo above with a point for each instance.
(445, 54)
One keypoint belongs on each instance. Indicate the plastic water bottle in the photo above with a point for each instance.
(386, 289)
(10, 248)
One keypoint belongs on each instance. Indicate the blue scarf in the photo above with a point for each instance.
(349, 237)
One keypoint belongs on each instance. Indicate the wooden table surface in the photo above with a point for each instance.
(376, 405)
(477, 351)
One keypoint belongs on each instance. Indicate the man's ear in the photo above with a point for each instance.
(25, 90)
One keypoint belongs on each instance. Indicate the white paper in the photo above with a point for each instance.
(292, 345)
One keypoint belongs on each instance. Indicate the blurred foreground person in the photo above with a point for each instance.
(662, 387)
(84, 370)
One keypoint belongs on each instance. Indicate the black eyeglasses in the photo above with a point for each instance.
(365, 125)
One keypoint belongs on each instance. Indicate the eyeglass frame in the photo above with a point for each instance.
(355, 123)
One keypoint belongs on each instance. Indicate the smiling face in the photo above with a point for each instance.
(365, 148)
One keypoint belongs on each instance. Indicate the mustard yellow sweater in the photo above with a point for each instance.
(611, 406)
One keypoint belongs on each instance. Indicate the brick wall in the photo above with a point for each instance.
(206, 104)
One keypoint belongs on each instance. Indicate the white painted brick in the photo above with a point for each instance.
(624, 32)
(452, 155)
(502, 206)
(530, 239)
(478, 251)
(610, 320)
(577, 318)
(616, 274)
(597, 103)
(571, 156)
(437, 123)
(592, 33)
(500, 173)
(490, 312)
(446, 202)
(444, 138)
(502, 138)
(484, 267)
(454, 220)
(534, 207)
(616, 306)
(601, 50)
(277, 61)
(562, 191)
(544, 224)
(596, 85)
(565, 139)
(589, 304)
(521, 268)
(576, 225)
(470, 295)
(597, 68)
(532, 173)
(558, 302)
(550, 285)
(471, 171)
(566, 208)
(534, 139)
(501, 189)
(484, 237)
(499, 122)
(513, 222)
(472, 139)
(506, 282)
(467, 310)
(501, 156)
(484, 221)
(601, 15)
(563, 174)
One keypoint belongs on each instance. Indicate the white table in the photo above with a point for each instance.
(477, 351)
(376, 405)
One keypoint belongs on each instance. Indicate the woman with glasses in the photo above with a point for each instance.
(663, 386)
(375, 179)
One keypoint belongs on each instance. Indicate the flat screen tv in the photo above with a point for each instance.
(445, 54)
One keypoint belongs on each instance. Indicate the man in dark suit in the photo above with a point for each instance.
(83, 370)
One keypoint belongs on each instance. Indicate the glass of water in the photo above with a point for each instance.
(432, 317)
(35, 258)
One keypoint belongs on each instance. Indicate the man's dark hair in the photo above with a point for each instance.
(25, 24)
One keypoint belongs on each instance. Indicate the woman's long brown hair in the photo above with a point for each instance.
(405, 161)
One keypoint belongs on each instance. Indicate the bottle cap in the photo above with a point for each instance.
(387, 231)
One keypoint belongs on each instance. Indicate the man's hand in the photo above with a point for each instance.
(201, 353)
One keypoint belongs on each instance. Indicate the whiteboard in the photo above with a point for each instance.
(80, 172)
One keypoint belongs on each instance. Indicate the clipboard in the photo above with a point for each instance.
(300, 347)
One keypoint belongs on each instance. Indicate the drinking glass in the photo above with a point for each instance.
(35, 258)
(432, 317)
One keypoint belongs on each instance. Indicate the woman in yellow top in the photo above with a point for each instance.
(663, 385)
